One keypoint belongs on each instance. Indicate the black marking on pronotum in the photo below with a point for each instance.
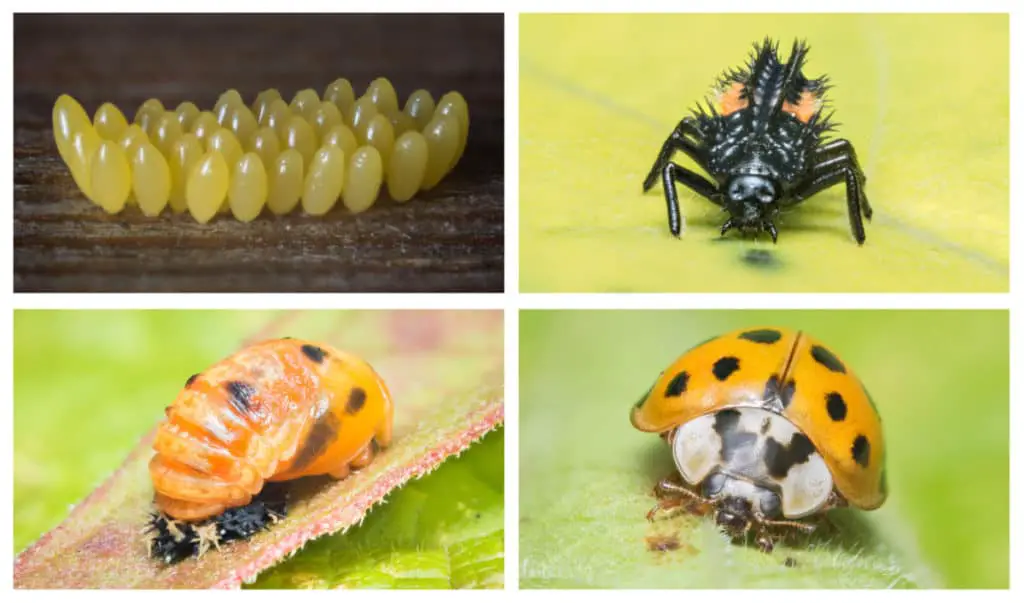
(240, 395)
(191, 380)
(780, 459)
(861, 450)
(762, 335)
(356, 399)
(727, 423)
(677, 386)
(171, 544)
(314, 353)
(324, 431)
(836, 406)
(725, 366)
(827, 359)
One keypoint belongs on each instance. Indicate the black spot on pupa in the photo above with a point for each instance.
(861, 451)
(836, 406)
(827, 359)
(356, 399)
(677, 386)
(762, 335)
(725, 366)
(320, 437)
(314, 353)
(780, 459)
(191, 380)
(240, 395)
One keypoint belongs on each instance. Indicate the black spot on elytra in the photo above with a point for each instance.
(191, 380)
(773, 389)
(762, 335)
(861, 451)
(827, 359)
(323, 433)
(314, 353)
(836, 406)
(725, 366)
(780, 459)
(677, 386)
(240, 395)
(726, 425)
(356, 399)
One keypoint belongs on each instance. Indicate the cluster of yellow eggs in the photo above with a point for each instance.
(241, 158)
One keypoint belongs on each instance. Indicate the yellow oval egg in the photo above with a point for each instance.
(109, 122)
(68, 117)
(242, 122)
(84, 144)
(111, 177)
(340, 93)
(362, 183)
(382, 94)
(147, 112)
(230, 97)
(381, 135)
(324, 180)
(185, 154)
(261, 107)
(204, 125)
(401, 123)
(166, 132)
(278, 118)
(453, 104)
(362, 112)
(299, 135)
(132, 137)
(327, 116)
(443, 136)
(247, 191)
(341, 137)
(224, 141)
(151, 179)
(285, 182)
(303, 99)
(187, 113)
(420, 107)
(408, 166)
(207, 186)
(265, 144)
(225, 104)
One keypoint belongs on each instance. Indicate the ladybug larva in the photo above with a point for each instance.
(272, 412)
(767, 427)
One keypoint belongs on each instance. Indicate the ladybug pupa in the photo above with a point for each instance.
(769, 430)
(272, 412)
(765, 147)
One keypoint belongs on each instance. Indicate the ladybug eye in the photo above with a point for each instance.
(771, 504)
(713, 485)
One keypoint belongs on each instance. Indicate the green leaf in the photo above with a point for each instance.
(444, 370)
(923, 98)
(444, 530)
(586, 475)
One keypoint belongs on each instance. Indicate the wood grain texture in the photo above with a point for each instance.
(447, 239)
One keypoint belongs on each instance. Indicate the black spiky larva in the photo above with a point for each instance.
(764, 143)
(239, 159)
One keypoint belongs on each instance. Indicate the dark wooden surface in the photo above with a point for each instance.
(449, 239)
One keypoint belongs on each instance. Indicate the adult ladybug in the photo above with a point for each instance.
(274, 411)
(764, 146)
(767, 426)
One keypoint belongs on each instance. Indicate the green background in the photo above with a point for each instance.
(940, 380)
(924, 99)
(90, 384)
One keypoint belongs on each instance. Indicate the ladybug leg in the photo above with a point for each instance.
(678, 141)
(364, 457)
(806, 528)
(672, 495)
(341, 472)
(764, 542)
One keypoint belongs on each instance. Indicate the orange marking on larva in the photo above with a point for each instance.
(274, 411)
(730, 100)
(804, 110)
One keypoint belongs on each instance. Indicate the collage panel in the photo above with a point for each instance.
(841, 153)
(775, 466)
(258, 449)
(258, 153)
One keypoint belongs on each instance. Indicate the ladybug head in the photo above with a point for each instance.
(735, 515)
